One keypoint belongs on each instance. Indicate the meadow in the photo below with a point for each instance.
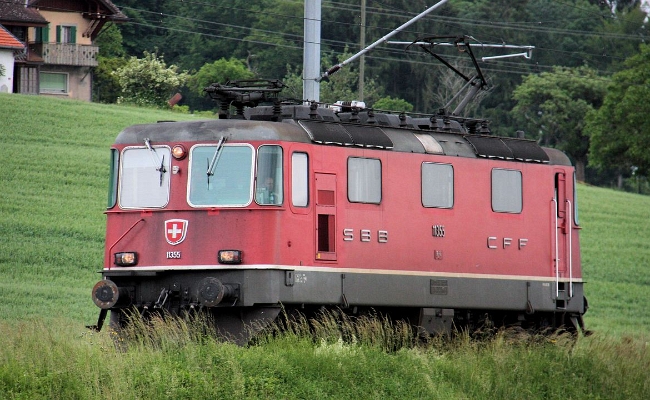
(54, 176)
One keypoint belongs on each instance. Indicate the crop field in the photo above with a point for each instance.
(54, 176)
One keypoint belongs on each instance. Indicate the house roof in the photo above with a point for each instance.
(15, 13)
(9, 41)
(105, 8)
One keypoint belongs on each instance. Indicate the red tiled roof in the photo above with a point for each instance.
(9, 41)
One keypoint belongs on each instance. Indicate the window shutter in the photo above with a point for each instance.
(58, 33)
(73, 34)
(38, 35)
(45, 34)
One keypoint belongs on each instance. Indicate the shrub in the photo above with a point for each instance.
(148, 81)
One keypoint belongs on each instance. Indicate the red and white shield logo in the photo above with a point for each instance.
(175, 231)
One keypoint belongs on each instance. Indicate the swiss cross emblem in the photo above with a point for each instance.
(175, 230)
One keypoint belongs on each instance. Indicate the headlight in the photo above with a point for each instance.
(126, 259)
(230, 256)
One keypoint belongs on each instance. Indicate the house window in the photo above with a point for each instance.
(53, 82)
(20, 32)
(66, 34)
(506, 191)
(364, 180)
(437, 185)
(42, 34)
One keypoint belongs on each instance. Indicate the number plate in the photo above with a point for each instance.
(173, 254)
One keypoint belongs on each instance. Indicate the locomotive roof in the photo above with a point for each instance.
(383, 131)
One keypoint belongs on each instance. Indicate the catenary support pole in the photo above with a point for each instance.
(311, 51)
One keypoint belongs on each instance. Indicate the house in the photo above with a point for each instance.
(59, 35)
(9, 47)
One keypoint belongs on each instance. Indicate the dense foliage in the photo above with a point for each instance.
(554, 105)
(620, 129)
(588, 39)
(148, 81)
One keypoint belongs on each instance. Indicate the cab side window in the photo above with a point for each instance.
(269, 189)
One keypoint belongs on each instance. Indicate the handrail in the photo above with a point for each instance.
(110, 249)
(557, 254)
(570, 233)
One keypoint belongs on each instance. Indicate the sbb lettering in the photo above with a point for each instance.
(365, 235)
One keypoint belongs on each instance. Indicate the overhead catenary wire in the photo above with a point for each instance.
(398, 54)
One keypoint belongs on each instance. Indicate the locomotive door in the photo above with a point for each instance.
(325, 205)
(561, 212)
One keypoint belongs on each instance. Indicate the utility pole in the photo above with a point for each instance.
(362, 45)
(311, 51)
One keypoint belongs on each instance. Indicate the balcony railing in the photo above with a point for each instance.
(66, 54)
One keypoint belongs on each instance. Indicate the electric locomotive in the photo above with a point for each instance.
(300, 206)
(289, 206)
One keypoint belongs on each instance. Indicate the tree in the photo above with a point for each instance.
(106, 88)
(620, 129)
(393, 104)
(219, 71)
(553, 105)
(148, 81)
(106, 85)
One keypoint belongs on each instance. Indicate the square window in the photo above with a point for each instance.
(364, 180)
(437, 185)
(52, 82)
(506, 191)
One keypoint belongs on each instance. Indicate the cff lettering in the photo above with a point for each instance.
(494, 243)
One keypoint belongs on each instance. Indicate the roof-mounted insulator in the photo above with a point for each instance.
(277, 110)
(313, 106)
(447, 122)
(402, 120)
(485, 128)
(371, 117)
(354, 115)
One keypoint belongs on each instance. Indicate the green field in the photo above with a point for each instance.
(54, 176)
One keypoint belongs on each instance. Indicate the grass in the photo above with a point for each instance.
(175, 360)
(54, 179)
(616, 257)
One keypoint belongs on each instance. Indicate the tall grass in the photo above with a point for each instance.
(54, 177)
(175, 359)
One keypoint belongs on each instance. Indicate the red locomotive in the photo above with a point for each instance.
(432, 219)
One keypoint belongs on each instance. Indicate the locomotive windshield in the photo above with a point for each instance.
(144, 182)
(231, 182)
